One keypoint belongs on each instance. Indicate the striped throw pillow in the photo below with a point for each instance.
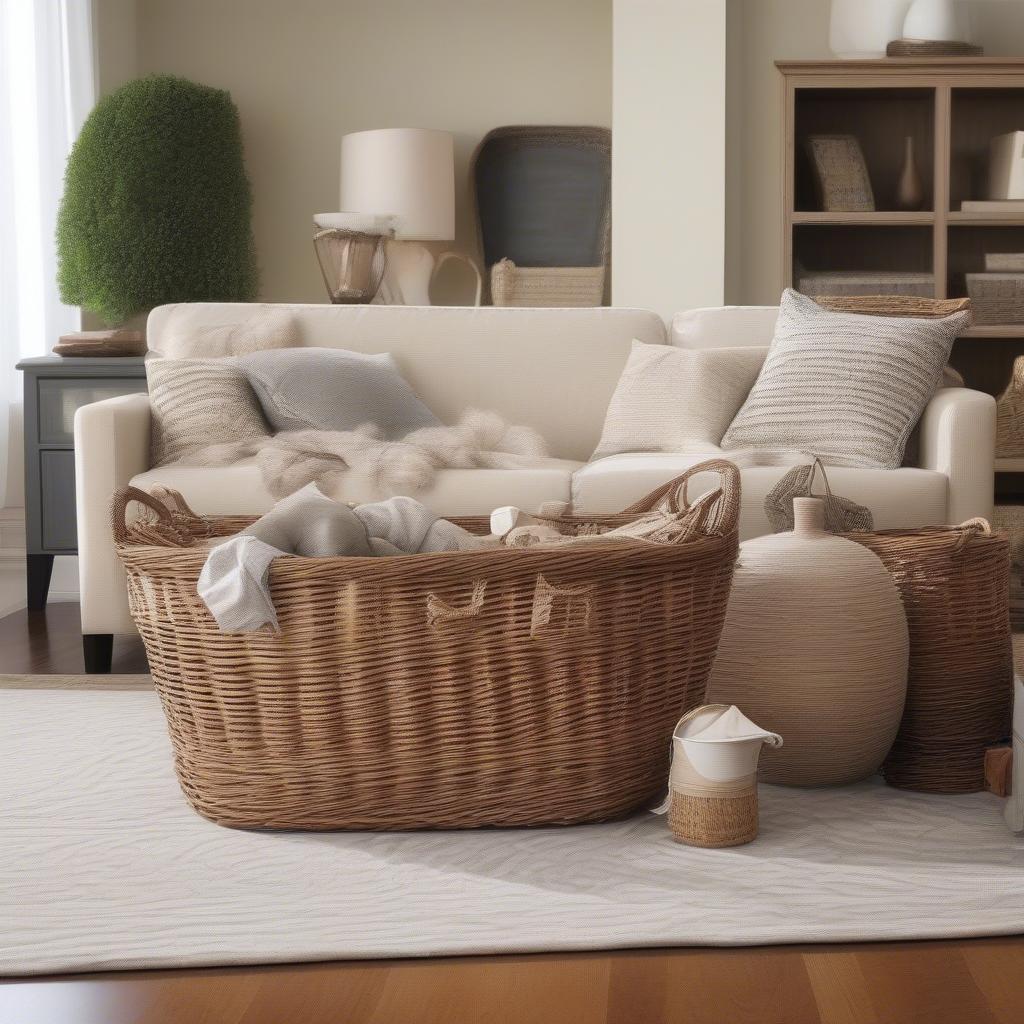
(199, 402)
(849, 388)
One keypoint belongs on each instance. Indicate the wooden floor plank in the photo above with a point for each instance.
(840, 988)
(998, 971)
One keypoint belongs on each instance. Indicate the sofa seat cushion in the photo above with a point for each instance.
(896, 497)
(238, 489)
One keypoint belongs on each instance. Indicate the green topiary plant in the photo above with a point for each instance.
(156, 203)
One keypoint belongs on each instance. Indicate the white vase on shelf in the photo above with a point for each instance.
(861, 29)
(945, 20)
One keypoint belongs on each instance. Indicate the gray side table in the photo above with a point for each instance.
(55, 387)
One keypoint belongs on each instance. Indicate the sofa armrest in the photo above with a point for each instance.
(111, 447)
(958, 439)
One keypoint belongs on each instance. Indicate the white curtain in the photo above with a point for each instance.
(47, 86)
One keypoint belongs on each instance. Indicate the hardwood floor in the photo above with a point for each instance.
(969, 982)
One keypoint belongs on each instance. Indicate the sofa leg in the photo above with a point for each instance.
(98, 649)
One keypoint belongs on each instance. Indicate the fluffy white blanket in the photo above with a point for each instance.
(292, 459)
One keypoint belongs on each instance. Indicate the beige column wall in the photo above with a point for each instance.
(668, 164)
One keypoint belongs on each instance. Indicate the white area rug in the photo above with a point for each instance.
(104, 866)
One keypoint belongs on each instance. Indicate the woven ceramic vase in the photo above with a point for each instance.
(814, 648)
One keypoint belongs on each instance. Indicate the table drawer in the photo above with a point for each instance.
(57, 487)
(59, 398)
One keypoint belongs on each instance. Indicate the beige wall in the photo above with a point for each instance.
(759, 33)
(668, 163)
(303, 72)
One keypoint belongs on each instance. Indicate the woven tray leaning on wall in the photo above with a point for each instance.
(498, 687)
(954, 582)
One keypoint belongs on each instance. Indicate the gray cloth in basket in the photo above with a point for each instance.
(235, 581)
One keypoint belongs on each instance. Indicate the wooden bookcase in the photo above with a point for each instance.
(952, 108)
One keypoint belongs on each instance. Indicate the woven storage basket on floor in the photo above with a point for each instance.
(954, 582)
(497, 687)
(1010, 415)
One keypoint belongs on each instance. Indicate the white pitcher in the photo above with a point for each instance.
(712, 799)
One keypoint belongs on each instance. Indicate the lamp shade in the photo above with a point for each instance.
(408, 173)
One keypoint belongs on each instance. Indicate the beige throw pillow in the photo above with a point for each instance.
(848, 387)
(677, 400)
(196, 403)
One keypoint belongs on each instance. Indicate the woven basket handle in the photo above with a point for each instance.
(673, 495)
(968, 530)
(123, 497)
(815, 467)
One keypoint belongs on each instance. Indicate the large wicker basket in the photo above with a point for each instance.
(954, 582)
(498, 687)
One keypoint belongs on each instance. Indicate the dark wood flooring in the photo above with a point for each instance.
(969, 982)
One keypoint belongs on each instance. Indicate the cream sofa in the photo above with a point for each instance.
(554, 369)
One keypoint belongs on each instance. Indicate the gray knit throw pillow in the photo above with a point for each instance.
(333, 389)
(848, 387)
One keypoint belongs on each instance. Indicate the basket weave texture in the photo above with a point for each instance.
(714, 822)
(546, 286)
(498, 687)
(1010, 415)
(954, 582)
(997, 298)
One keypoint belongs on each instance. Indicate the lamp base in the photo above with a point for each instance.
(407, 277)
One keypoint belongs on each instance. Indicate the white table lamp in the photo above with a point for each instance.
(409, 175)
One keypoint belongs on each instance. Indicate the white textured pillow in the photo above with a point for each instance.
(677, 400)
(848, 387)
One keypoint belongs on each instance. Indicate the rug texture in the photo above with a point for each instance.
(104, 866)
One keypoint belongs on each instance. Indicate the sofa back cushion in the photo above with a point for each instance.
(724, 327)
(552, 369)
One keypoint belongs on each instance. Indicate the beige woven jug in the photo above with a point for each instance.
(815, 648)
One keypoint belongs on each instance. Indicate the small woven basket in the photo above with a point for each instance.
(714, 822)
(997, 298)
(496, 687)
(546, 286)
(954, 582)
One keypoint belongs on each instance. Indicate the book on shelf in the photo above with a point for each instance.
(1004, 262)
(992, 206)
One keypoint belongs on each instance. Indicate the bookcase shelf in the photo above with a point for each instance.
(952, 109)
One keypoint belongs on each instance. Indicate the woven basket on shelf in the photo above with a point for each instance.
(546, 286)
(997, 298)
(893, 305)
(1010, 415)
(954, 582)
(496, 687)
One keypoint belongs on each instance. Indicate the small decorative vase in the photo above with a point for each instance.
(909, 191)
(815, 648)
(712, 790)
(863, 28)
(943, 20)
